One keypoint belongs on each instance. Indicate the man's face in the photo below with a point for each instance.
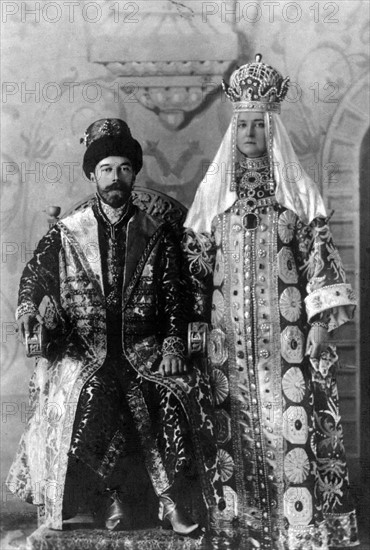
(114, 178)
(250, 137)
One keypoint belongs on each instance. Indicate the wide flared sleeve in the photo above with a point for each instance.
(41, 275)
(329, 297)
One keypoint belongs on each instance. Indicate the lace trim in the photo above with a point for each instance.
(173, 345)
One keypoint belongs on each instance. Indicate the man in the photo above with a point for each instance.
(114, 385)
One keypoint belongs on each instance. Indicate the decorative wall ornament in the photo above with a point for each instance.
(171, 80)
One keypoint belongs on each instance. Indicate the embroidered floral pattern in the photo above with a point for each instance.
(198, 251)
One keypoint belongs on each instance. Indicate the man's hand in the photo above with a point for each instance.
(317, 341)
(26, 324)
(171, 365)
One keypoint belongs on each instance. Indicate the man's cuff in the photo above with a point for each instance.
(26, 308)
(173, 345)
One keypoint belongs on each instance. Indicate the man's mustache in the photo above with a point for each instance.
(116, 186)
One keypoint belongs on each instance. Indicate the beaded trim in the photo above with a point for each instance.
(173, 345)
(255, 163)
(257, 106)
(320, 324)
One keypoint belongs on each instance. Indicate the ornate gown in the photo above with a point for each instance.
(261, 277)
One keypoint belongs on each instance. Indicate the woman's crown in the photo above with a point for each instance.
(257, 86)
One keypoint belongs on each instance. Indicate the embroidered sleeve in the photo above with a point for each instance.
(199, 259)
(171, 298)
(330, 299)
(41, 275)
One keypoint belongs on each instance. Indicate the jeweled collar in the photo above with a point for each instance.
(254, 163)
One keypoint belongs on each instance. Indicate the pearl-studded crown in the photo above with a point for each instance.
(256, 86)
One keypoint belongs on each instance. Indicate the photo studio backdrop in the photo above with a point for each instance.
(158, 65)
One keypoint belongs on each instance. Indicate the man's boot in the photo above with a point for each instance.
(171, 513)
(116, 513)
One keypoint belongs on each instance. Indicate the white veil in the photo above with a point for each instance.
(294, 188)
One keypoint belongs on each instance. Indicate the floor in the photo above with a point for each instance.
(18, 522)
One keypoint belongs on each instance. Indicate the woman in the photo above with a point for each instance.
(266, 271)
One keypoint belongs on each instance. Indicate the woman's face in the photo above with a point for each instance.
(250, 136)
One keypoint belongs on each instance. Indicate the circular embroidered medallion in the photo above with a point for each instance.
(292, 344)
(296, 465)
(290, 304)
(216, 347)
(231, 510)
(223, 427)
(217, 314)
(219, 271)
(298, 506)
(226, 465)
(295, 425)
(286, 226)
(220, 386)
(293, 384)
(286, 266)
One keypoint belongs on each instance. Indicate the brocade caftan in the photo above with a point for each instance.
(116, 296)
(283, 464)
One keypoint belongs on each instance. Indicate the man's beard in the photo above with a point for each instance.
(115, 196)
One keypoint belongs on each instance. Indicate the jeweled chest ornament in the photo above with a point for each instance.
(251, 218)
(250, 206)
(251, 180)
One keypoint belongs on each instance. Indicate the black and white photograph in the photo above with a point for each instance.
(185, 275)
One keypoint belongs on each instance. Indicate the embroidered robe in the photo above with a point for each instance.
(151, 311)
